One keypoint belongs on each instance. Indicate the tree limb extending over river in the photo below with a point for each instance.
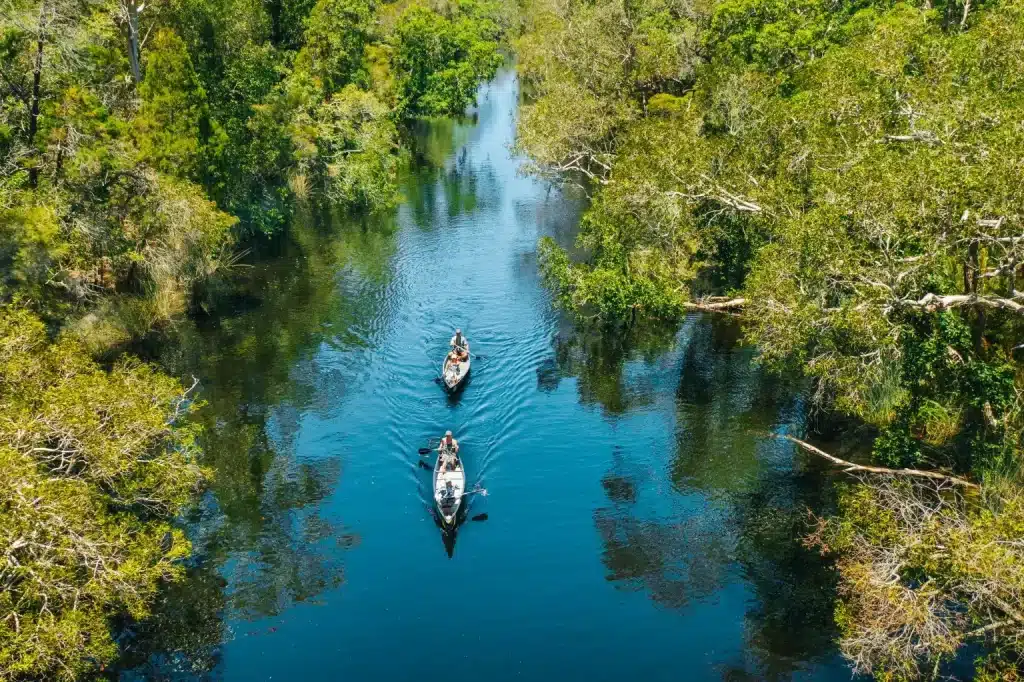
(850, 466)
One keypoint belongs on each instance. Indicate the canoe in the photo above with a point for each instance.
(454, 373)
(449, 487)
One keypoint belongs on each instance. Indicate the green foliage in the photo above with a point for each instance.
(108, 183)
(946, 383)
(173, 109)
(440, 61)
(348, 145)
(924, 571)
(123, 196)
(30, 236)
(336, 35)
(783, 34)
(93, 465)
(591, 69)
(831, 164)
(850, 170)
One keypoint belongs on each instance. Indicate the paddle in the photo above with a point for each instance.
(427, 451)
(424, 465)
(480, 517)
(481, 491)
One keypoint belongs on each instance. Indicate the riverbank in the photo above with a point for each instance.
(627, 479)
(787, 163)
(143, 147)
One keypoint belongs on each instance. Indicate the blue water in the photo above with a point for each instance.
(640, 523)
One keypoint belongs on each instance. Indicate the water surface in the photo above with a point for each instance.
(641, 526)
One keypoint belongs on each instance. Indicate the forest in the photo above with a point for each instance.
(144, 148)
(842, 176)
(845, 178)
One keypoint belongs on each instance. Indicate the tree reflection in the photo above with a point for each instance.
(182, 640)
(791, 621)
(676, 561)
(740, 508)
(723, 401)
(289, 553)
(597, 359)
(446, 182)
(260, 527)
(725, 405)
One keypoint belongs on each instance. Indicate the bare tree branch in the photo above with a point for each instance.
(850, 466)
(932, 302)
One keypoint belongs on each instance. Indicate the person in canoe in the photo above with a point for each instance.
(449, 450)
(450, 444)
(457, 355)
(458, 341)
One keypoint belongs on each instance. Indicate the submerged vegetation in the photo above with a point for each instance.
(143, 148)
(847, 176)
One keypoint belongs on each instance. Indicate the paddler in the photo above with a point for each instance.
(448, 451)
(458, 341)
(450, 444)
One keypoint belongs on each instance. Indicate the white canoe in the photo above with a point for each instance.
(449, 487)
(454, 373)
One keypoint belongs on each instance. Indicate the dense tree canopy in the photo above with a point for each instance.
(143, 147)
(142, 143)
(848, 174)
(442, 59)
(93, 467)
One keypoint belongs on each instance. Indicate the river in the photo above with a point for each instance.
(640, 524)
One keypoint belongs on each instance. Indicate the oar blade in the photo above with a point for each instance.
(480, 517)
(425, 451)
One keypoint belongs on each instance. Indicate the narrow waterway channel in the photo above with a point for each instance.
(640, 524)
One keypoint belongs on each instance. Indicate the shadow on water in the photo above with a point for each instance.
(597, 360)
(724, 402)
(448, 538)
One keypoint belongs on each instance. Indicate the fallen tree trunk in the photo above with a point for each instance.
(850, 466)
(716, 303)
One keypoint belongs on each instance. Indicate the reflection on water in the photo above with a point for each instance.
(676, 561)
(260, 542)
(738, 508)
(640, 525)
(598, 360)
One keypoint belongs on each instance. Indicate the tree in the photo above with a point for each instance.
(591, 68)
(847, 175)
(173, 113)
(924, 570)
(336, 35)
(94, 465)
(441, 61)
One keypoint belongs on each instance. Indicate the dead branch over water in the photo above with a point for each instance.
(850, 466)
